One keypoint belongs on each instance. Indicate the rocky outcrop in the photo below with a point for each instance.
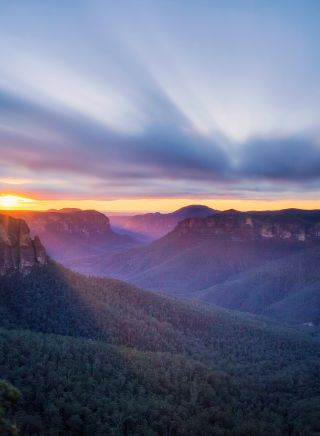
(296, 225)
(18, 251)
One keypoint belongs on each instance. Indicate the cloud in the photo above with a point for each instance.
(164, 99)
(291, 159)
(42, 140)
(75, 157)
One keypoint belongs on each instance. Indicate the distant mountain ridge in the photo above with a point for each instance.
(290, 224)
(73, 233)
(65, 210)
(155, 225)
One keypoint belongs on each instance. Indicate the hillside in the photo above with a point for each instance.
(286, 289)
(90, 387)
(201, 252)
(97, 355)
(56, 300)
(195, 370)
(75, 386)
(259, 262)
(155, 225)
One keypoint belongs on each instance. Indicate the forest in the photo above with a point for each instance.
(99, 356)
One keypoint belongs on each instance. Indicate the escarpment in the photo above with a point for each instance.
(18, 251)
(292, 225)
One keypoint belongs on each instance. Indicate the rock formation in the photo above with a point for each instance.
(18, 252)
(72, 233)
(243, 226)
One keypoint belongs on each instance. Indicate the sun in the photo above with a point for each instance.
(12, 201)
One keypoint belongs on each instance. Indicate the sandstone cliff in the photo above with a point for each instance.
(71, 234)
(289, 224)
(18, 252)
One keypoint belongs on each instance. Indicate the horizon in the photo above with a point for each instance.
(156, 105)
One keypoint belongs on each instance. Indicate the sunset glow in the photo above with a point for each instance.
(142, 205)
(14, 202)
(158, 105)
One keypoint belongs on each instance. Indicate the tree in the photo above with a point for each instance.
(9, 395)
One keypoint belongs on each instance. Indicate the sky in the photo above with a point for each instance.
(151, 105)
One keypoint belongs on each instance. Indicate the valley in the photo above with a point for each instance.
(258, 262)
(140, 353)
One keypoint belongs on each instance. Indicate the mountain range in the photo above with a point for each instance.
(70, 233)
(264, 263)
(100, 356)
(221, 258)
(95, 355)
(151, 226)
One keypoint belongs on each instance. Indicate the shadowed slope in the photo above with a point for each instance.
(287, 289)
(191, 369)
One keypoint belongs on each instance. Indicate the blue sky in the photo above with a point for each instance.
(131, 99)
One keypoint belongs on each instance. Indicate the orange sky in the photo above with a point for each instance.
(13, 202)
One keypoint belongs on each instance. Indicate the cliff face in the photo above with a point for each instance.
(85, 224)
(18, 252)
(72, 234)
(244, 226)
(202, 252)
